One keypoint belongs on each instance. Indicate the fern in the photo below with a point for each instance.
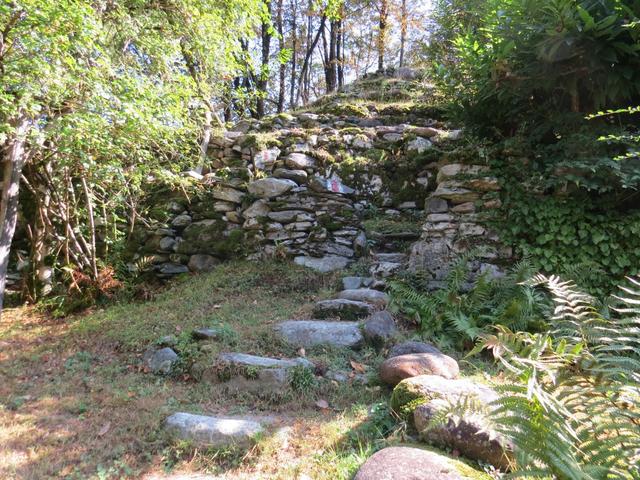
(461, 312)
(573, 408)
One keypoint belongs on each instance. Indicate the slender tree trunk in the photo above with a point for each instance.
(403, 30)
(14, 160)
(307, 58)
(382, 34)
(294, 47)
(283, 65)
(263, 77)
(340, 53)
(92, 226)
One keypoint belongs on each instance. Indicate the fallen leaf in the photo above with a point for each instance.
(358, 367)
(105, 428)
(322, 404)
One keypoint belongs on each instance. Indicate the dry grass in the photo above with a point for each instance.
(75, 404)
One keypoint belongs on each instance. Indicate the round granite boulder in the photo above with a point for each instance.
(395, 369)
(407, 463)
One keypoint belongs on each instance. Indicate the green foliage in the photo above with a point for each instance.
(562, 233)
(459, 313)
(302, 380)
(522, 60)
(571, 407)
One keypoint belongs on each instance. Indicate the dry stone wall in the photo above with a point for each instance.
(456, 222)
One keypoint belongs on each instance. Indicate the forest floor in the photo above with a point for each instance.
(75, 402)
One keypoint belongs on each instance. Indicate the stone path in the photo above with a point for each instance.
(306, 213)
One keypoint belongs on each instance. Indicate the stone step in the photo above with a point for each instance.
(368, 295)
(246, 360)
(385, 269)
(308, 333)
(350, 283)
(394, 257)
(342, 309)
(216, 432)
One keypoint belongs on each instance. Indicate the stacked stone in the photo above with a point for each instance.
(455, 223)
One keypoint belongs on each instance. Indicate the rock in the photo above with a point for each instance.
(265, 159)
(246, 360)
(470, 435)
(406, 348)
(259, 208)
(408, 463)
(160, 362)
(166, 244)
(271, 187)
(432, 387)
(395, 369)
(181, 221)
(300, 161)
(428, 132)
(216, 432)
(307, 333)
(285, 216)
(380, 328)
(332, 185)
(227, 194)
(360, 244)
(201, 263)
(326, 264)
(419, 145)
(298, 176)
(368, 295)
(385, 269)
(352, 283)
(392, 137)
(468, 207)
(172, 269)
(436, 205)
(342, 309)
(205, 333)
(453, 191)
(265, 382)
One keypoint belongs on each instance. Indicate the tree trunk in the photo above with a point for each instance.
(263, 77)
(294, 47)
(403, 31)
(307, 58)
(382, 34)
(283, 65)
(14, 160)
(340, 53)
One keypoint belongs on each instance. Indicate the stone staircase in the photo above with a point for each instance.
(308, 202)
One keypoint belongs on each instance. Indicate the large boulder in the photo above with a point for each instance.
(394, 370)
(407, 463)
(411, 346)
(470, 435)
(374, 297)
(342, 309)
(308, 333)
(425, 397)
(433, 387)
(271, 187)
(216, 432)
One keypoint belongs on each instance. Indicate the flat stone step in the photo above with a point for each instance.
(368, 295)
(385, 269)
(217, 432)
(307, 333)
(342, 309)
(326, 264)
(350, 283)
(390, 257)
(246, 360)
